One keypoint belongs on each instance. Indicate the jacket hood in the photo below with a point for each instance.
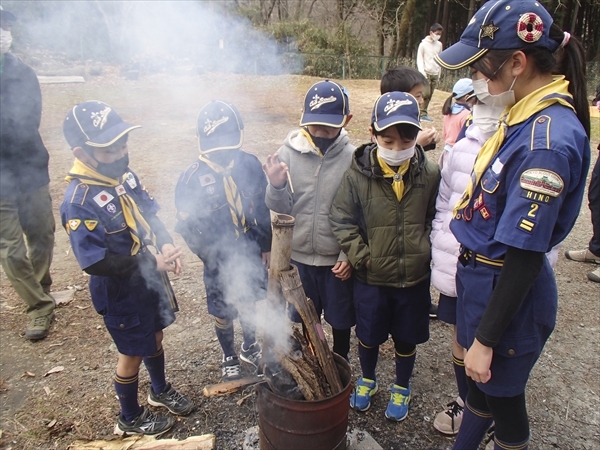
(364, 162)
(296, 140)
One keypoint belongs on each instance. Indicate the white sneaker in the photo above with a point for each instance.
(448, 422)
(582, 256)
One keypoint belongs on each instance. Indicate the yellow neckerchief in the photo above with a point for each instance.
(520, 112)
(397, 177)
(131, 213)
(231, 191)
(309, 139)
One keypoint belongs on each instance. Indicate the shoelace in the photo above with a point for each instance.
(39, 321)
(399, 399)
(175, 397)
(454, 409)
(363, 389)
(231, 370)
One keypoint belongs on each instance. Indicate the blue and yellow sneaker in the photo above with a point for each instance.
(360, 399)
(397, 408)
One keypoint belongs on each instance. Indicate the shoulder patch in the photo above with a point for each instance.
(74, 223)
(103, 198)
(90, 224)
(542, 181)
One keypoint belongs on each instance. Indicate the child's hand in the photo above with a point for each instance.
(169, 260)
(276, 171)
(478, 361)
(427, 136)
(342, 270)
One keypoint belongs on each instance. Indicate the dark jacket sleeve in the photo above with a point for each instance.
(117, 265)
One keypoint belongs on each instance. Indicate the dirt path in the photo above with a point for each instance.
(563, 394)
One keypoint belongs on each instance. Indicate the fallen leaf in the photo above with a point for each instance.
(47, 390)
(29, 374)
(52, 423)
(54, 370)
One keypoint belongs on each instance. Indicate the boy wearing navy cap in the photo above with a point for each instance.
(222, 216)
(118, 239)
(381, 217)
(523, 198)
(315, 158)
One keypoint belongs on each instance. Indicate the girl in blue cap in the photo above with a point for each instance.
(524, 197)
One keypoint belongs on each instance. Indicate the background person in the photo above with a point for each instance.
(26, 221)
(429, 47)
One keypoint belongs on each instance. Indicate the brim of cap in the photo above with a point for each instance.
(397, 120)
(6, 15)
(112, 135)
(212, 144)
(328, 120)
(459, 55)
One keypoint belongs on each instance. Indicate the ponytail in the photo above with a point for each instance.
(447, 108)
(571, 64)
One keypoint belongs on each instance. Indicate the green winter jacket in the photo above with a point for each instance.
(370, 224)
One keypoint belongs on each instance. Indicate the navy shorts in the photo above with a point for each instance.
(521, 344)
(133, 311)
(401, 312)
(234, 286)
(329, 294)
(447, 309)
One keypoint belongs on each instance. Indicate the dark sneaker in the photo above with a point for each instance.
(145, 423)
(38, 328)
(230, 370)
(174, 401)
(252, 355)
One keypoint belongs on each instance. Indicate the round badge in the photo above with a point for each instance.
(530, 27)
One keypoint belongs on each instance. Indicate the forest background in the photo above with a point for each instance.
(326, 38)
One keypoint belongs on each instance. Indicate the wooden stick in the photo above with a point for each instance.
(228, 387)
(294, 294)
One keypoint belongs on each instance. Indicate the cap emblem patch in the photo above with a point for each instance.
(393, 105)
(489, 30)
(317, 101)
(99, 118)
(211, 125)
(530, 27)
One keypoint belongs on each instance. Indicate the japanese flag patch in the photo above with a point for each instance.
(74, 224)
(207, 179)
(103, 198)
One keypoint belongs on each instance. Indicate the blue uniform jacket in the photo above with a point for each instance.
(203, 214)
(530, 195)
(93, 218)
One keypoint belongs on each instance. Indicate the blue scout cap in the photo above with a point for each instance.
(219, 127)
(394, 108)
(500, 25)
(7, 15)
(325, 103)
(462, 87)
(94, 123)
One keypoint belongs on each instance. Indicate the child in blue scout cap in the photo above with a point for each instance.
(222, 216)
(524, 197)
(118, 240)
(316, 156)
(381, 217)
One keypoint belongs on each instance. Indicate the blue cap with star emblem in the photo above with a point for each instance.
(395, 108)
(325, 103)
(500, 25)
(219, 127)
(94, 123)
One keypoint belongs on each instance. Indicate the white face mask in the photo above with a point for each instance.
(507, 98)
(5, 40)
(395, 157)
(486, 117)
(436, 37)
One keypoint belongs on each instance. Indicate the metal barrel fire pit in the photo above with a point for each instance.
(286, 424)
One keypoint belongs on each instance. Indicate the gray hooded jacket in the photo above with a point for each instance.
(315, 179)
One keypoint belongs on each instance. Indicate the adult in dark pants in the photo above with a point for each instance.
(592, 253)
(26, 220)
